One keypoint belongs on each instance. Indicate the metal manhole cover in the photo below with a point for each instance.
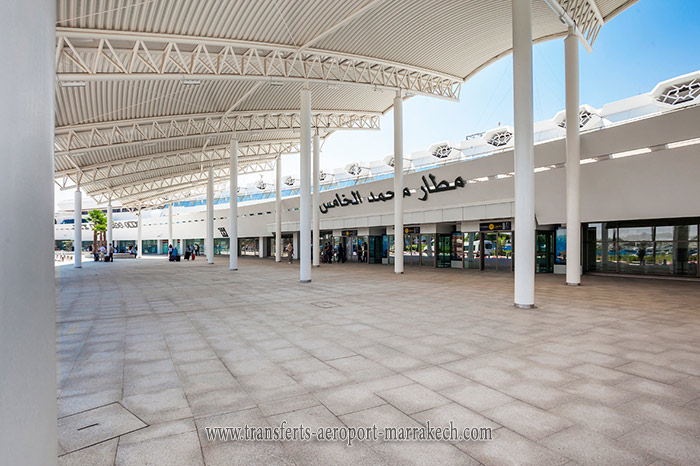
(96, 425)
(325, 304)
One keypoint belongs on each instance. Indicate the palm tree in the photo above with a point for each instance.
(99, 225)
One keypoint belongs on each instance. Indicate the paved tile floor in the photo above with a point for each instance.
(608, 373)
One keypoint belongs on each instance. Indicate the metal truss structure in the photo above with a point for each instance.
(91, 137)
(583, 15)
(157, 191)
(88, 54)
(98, 179)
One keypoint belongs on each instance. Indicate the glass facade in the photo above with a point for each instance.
(249, 246)
(221, 246)
(653, 247)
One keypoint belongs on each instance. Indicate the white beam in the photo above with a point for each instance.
(398, 184)
(305, 188)
(110, 222)
(28, 314)
(524, 153)
(86, 138)
(103, 55)
(573, 165)
(78, 230)
(170, 226)
(233, 209)
(278, 209)
(316, 221)
(210, 216)
(139, 242)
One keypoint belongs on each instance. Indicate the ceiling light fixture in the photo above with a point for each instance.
(72, 83)
(191, 82)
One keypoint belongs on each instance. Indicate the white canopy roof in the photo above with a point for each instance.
(150, 92)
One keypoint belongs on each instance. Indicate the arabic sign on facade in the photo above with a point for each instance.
(428, 188)
(495, 226)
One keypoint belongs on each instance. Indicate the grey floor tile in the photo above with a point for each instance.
(527, 420)
(176, 450)
(102, 454)
(413, 398)
(508, 448)
(589, 448)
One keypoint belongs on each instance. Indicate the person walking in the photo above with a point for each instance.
(111, 253)
(170, 251)
(290, 252)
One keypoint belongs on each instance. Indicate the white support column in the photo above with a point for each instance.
(109, 225)
(524, 151)
(305, 188)
(573, 163)
(209, 241)
(261, 247)
(170, 229)
(295, 244)
(278, 209)
(78, 230)
(27, 286)
(139, 242)
(398, 183)
(316, 243)
(233, 212)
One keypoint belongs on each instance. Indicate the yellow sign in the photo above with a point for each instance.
(491, 226)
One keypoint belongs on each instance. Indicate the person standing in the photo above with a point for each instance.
(170, 251)
(290, 252)
(111, 253)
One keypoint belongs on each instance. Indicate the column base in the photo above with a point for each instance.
(317, 265)
(398, 273)
(305, 281)
(77, 266)
(572, 284)
(524, 306)
(233, 270)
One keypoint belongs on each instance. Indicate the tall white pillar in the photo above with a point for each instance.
(316, 201)
(78, 230)
(573, 163)
(295, 244)
(210, 217)
(278, 209)
(398, 183)
(305, 188)
(233, 212)
(170, 228)
(261, 247)
(27, 304)
(524, 150)
(139, 242)
(109, 225)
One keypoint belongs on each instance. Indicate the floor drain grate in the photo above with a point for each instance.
(325, 304)
(87, 428)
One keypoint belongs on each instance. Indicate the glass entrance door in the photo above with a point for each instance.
(497, 251)
(472, 255)
(544, 254)
(444, 250)
(427, 250)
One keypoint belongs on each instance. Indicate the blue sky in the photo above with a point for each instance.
(652, 41)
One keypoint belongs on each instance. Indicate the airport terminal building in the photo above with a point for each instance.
(639, 191)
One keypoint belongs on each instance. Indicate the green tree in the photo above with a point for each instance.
(99, 226)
